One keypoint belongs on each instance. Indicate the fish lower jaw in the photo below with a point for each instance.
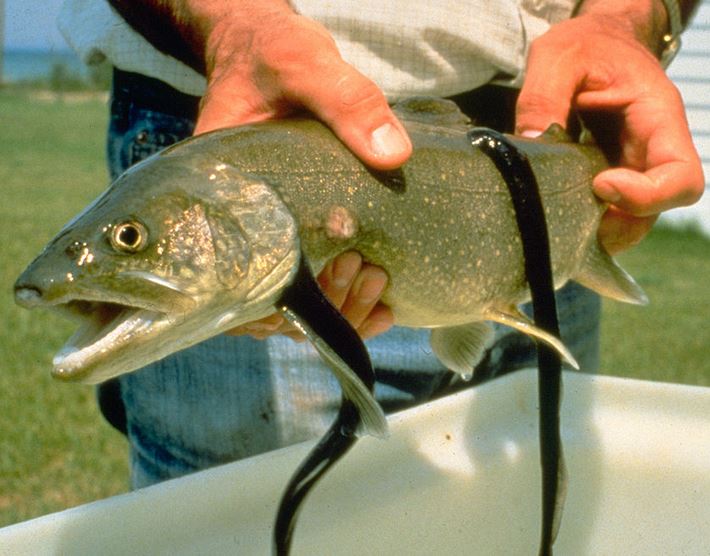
(90, 355)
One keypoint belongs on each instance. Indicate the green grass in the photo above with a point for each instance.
(55, 449)
(668, 340)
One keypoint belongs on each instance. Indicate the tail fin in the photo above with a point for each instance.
(603, 275)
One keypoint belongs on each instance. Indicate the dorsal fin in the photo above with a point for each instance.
(432, 111)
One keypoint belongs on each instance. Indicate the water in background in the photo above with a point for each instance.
(33, 65)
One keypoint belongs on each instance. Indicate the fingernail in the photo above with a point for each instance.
(387, 140)
(530, 133)
(606, 192)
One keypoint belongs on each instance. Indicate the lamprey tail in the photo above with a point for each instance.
(304, 304)
(530, 215)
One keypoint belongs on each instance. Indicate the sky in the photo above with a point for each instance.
(32, 24)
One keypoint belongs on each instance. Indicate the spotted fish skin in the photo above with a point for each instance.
(444, 228)
(227, 215)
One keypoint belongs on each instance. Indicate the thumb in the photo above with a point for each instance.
(357, 111)
(349, 103)
(546, 96)
(230, 101)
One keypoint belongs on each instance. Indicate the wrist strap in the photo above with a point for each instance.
(671, 40)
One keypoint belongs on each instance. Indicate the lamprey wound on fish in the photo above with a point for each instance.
(208, 234)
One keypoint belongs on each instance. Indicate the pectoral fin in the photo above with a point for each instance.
(373, 418)
(460, 348)
(304, 305)
(512, 317)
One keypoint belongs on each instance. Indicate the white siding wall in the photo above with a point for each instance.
(691, 73)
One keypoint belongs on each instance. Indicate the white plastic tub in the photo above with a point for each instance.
(457, 476)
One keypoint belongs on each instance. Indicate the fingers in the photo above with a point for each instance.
(663, 169)
(295, 64)
(546, 95)
(353, 287)
(263, 328)
(640, 194)
(578, 56)
(619, 230)
(362, 307)
(638, 199)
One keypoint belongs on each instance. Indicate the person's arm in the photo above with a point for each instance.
(263, 61)
(605, 59)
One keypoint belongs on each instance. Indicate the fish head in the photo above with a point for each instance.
(176, 250)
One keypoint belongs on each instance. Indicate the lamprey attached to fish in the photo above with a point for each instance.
(210, 233)
(530, 215)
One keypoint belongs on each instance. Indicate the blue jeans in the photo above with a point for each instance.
(233, 397)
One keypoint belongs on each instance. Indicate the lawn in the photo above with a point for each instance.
(669, 339)
(55, 449)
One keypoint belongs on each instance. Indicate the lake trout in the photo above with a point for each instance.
(206, 235)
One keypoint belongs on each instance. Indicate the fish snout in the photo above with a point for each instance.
(31, 288)
(28, 296)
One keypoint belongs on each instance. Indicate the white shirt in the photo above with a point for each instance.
(432, 47)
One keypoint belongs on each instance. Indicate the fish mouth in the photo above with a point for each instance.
(105, 327)
(122, 322)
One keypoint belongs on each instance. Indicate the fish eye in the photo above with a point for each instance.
(129, 237)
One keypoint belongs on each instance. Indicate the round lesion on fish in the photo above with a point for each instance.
(340, 223)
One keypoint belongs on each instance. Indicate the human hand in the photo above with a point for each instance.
(258, 71)
(354, 288)
(600, 63)
(265, 61)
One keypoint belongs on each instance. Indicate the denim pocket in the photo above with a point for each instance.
(137, 134)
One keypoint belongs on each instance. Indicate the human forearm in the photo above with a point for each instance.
(189, 29)
(647, 20)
